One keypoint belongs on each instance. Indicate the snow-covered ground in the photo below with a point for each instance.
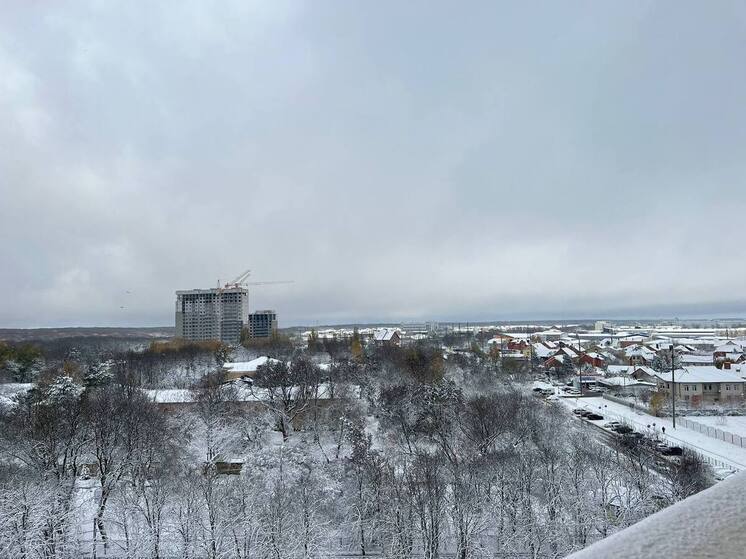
(716, 450)
(729, 423)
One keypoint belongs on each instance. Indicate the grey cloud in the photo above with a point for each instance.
(398, 160)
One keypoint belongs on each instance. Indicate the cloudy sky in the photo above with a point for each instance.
(398, 160)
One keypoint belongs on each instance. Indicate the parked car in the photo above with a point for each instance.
(673, 451)
(611, 424)
(622, 429)
(594, 417)
(579, 411)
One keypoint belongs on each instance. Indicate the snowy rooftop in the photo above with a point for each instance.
(248, 366)
(385, 334)
(623, 381)
(243, 393)
(703, 374)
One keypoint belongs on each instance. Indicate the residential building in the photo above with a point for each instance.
(624, 385)
(212, 314)
(698, 385)
(387, 336)
(262, 324)
(593, 359)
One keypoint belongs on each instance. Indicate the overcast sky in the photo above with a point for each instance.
(398, 160)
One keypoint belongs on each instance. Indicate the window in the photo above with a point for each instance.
(686, 387)
(727, 386)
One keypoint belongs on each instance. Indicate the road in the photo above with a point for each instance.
(718, 452)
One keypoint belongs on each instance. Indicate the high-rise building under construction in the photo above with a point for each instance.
(212, 314)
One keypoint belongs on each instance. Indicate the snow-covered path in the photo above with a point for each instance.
(718, 451)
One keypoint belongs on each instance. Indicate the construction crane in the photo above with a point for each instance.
(240, 281)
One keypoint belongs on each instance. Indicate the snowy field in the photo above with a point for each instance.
(715, 449)
(730, 424)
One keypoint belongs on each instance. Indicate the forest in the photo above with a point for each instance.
(390, 452)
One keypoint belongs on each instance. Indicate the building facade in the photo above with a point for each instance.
(262, 324)
(698, 385)
(212, 314)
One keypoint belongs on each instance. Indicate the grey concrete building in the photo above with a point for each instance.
(262, 324)
(212, 314)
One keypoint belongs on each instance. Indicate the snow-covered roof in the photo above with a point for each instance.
(623, 381)
(248, 366)
(705, 359)
(729, 347)
(243, 393)
(385, 334)
(639, 350)
(705, 374)
(542, 351)
(614, 370)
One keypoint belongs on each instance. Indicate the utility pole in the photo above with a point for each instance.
(580, 363)
(673, 385)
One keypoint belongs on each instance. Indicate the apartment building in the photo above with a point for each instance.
(262, 324)
(212, 314)
(698, 385)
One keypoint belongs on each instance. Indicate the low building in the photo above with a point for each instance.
(639, 355)
(593, 359)
(698, 385)
(698, 359)
(625, 385)
(387, 336)
(245, 369)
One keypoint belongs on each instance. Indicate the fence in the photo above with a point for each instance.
(713, 432)
(624, 402)
(712, 458)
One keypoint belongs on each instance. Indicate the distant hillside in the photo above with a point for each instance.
(26, 334)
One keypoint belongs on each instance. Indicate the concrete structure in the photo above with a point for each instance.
(707, 525)
(212, 314)
(262, 324)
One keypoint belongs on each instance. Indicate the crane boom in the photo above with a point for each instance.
(241, 280)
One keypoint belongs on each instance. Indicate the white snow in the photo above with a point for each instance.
(716, 450)
(730, 424)
(706, 525)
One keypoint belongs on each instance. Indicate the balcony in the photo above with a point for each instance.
(707, 525)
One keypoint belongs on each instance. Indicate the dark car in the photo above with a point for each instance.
(672, 451)
(594, 417)
(622, 429)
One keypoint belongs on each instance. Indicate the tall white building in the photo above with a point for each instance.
(212, 314)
